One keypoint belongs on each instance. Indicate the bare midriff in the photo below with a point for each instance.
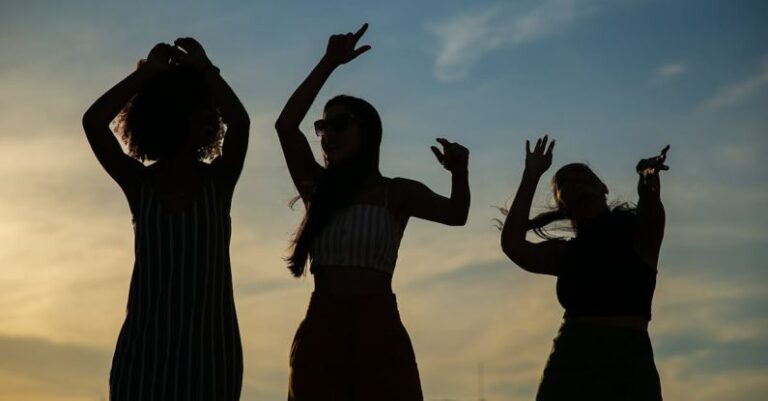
(351, 280)
(629, 322)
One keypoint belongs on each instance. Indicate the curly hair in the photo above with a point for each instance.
(155, 122)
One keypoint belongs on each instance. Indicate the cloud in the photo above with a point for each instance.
(669, 70)
(34, 367)
(739, 92)
(466, 38)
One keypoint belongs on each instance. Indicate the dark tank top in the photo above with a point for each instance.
(602, 274)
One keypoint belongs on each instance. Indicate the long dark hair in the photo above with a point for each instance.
(155, 121)
(542, 224)
(338, 182)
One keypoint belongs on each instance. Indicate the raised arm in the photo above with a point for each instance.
(124, 169)
(230, 163)
(419, 201)
(302, 166)
(543, 257)
(651, 216)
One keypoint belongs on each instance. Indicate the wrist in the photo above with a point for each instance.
(460, 172)
(532, 175)
(150, 67)
(211, 69)
(327, 63)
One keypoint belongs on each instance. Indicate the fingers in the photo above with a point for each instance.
(663, 155)
(361, 50)
(549, 148)
(357, 35)
(189, 46)
(541, 145)
(164, 55)
(437, 153)
(443, 142)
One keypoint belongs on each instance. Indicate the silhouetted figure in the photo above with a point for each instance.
(606, 277)
(352, 345)
(180, 339)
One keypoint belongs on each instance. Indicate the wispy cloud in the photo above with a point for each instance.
(669, 71)
(466, 38)
(740, 91)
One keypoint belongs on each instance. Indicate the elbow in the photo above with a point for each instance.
(512, 249)
(245, 121)
(459, 218)
(508, 249)
(90, 121)
(281, 125)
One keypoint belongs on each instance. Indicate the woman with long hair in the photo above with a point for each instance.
(352, 344)
(606, 276)
(180, 339)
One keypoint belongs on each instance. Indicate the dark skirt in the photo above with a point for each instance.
(594, 362)
(353, 348)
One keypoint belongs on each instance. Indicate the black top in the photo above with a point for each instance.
(602, 274)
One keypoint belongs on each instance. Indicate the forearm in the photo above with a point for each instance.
(301, 100)
(460, 196)
(109, 105)
(516, 223)
(232, 110)
(650, 209)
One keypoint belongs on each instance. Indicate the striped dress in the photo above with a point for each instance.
(180, 339)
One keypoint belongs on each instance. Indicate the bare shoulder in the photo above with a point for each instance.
(406, 186)
(401, 189)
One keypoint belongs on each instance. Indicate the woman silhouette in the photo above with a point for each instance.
(352, 345)
(180, 337)
(606, 277)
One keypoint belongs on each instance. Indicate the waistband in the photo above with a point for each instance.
(374, 306)
(588, 328)
(624, 322)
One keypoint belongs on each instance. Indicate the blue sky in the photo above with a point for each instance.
(612, 81)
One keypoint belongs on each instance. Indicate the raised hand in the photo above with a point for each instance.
(162, 57)
(653, 165)
(194, 54)
(341, 48)
(538, 160)
(454, 157)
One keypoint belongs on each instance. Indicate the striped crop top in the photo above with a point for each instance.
(362, 235)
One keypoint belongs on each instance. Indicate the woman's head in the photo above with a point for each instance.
(579, 195)
(578, 191)
(350, 133)
(172, 111)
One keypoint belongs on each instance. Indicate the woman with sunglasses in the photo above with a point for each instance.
(352, 344)
(606, 277)
(180, 339)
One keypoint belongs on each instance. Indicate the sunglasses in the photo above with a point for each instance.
(338, 123)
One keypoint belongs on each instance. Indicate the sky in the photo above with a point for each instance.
(611, 81)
